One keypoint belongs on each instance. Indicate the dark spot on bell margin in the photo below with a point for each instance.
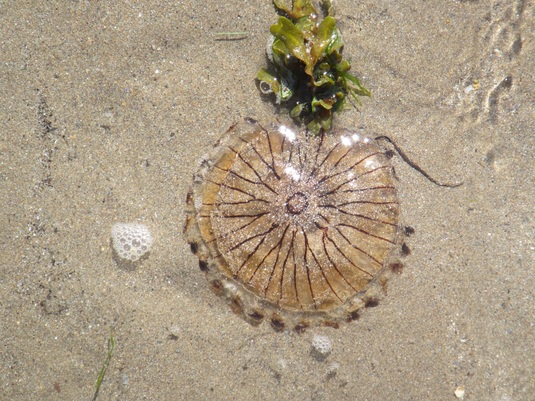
(277, 324)
(194, 247)
(331, 323)
(371, 303)
(217, 287)
(396, 267)
(301, 327)
(255, 318)
(353, 316)
(236, 306)
(405, 250)
(203, 266)
(408, 231)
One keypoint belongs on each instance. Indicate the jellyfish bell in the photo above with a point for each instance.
(296, 229)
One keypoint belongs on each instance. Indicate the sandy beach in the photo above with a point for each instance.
(107, 107)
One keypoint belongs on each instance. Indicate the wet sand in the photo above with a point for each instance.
(105, 110)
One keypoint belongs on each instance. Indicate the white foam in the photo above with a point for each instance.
(292, 172)
(322, 344)
(287, 132)
(131, 240)
(345, 140)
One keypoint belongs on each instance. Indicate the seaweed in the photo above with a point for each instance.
(111, 347)
(308, 71)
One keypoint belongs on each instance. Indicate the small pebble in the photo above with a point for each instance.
(459, 392)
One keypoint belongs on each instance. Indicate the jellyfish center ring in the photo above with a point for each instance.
(297, 203)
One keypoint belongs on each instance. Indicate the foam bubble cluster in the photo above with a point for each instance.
(130, 240)
(322, 344)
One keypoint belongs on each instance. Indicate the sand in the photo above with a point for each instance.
(106, 108)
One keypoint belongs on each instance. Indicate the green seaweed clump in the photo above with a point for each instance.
(309, 70)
